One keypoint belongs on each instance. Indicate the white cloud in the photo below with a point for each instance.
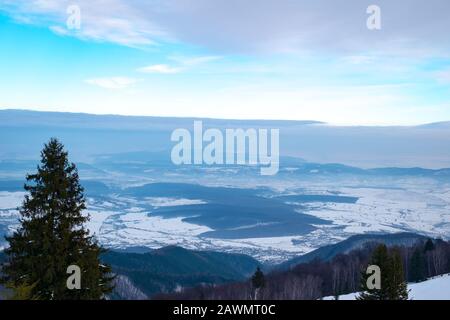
(160, 68)
(193, 61)
(60, 30)
(183, 64)
(117, 21)
(113, 83)
(408, 26)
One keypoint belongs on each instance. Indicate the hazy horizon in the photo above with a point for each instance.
(313, 121)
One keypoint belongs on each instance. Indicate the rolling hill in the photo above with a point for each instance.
(170, 268)
(354, 242)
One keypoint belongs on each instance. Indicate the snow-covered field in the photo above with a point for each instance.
(381, 210)
(10, 200)
(437, 288)
(126, 221)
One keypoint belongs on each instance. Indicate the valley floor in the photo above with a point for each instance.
(333, 208)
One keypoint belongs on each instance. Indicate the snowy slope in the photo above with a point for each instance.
(437, 288)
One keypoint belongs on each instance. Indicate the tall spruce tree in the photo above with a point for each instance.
(396, 286)
(380, 258)
(393, 285)
(429, 245)
(417, 265)
(258, 282)
(52, 235)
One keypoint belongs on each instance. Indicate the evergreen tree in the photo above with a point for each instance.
(52, 235)
(417, 266)
(393, 285)
(258, 281)
(22, 292)
(380, 258)
(396, 285)
(429, 245)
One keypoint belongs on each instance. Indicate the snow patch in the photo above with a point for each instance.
(171, 202)
(11, 200)
(437, 288)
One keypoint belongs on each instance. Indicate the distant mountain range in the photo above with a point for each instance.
(143, 163)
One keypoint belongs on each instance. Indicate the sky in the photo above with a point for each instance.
(253, 59)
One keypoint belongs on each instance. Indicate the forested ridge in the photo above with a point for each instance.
(340, 275)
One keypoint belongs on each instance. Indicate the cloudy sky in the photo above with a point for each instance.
(245, 59)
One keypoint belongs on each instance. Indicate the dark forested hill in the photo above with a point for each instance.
(326, 253)
(332, 271)
(171, 268)
(142, 275)
(174, 272)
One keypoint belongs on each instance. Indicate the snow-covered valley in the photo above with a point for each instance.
(125, 220)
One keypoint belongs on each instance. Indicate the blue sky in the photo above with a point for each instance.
(226, 59)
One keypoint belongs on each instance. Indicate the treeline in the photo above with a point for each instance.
(341, 275)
